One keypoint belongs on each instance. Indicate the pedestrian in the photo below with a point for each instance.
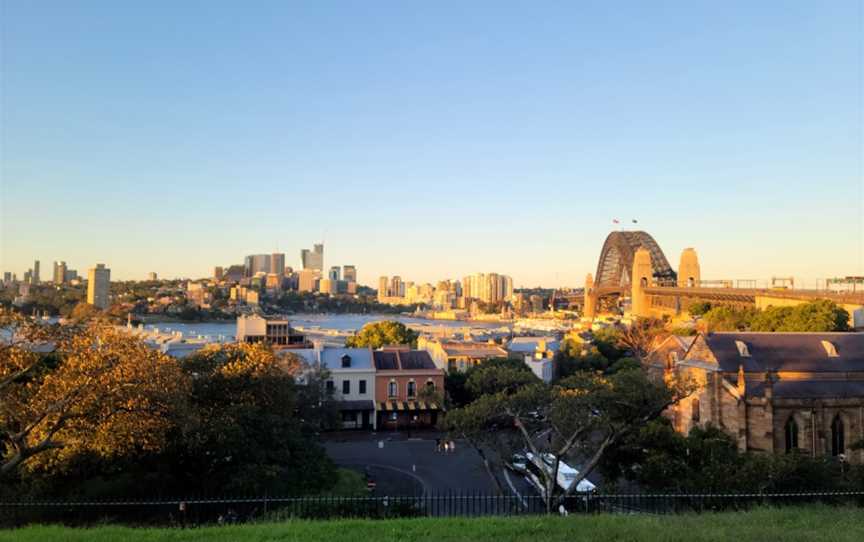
(453, 446)
(437, 445)
(446, 446)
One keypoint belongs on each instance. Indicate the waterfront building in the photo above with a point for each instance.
(313, 259)
(34, 278)
(59, 272)
(277, 264)
(406, 384)
(98, 283)
(351, 380)
(152, 276)
(397, 287)
(451, 355)
(198, 294)
(308, 280)
(383, 288)
(349, 273)
(275, 330)
(327, 286)
(335, 273)
(772, 392)
(487, 287)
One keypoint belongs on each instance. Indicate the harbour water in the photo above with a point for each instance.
(334, 325)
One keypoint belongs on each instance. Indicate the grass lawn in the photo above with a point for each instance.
(811, 523)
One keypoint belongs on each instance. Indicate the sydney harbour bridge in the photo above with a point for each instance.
(633, 266)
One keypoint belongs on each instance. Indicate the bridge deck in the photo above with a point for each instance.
(750, 294)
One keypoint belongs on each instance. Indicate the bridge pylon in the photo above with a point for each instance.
(643, 274)
(589, 307)
(689, 274)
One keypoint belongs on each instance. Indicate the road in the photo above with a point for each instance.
(413, 467)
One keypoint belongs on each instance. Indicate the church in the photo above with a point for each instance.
(772, 392)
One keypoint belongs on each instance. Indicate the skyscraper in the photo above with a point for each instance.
(98, 282)
(349, 273)
(397, 289)
(35, 277)
(59, 272)
(256, 263)
(217, 273)
(383, 287)
(313, 259)
(335, 273)
(277, 263)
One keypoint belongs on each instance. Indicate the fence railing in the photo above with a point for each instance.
(183, 512)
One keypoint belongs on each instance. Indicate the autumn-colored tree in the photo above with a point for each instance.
(69, 389)
(638, 338)
(378, 334)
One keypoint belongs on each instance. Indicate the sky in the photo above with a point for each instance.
(431, 140)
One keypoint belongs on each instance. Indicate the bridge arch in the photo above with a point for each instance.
(616, 259)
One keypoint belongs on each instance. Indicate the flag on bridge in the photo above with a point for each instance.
(615, 221)
(634, 221)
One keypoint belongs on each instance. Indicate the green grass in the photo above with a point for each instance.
(811, 524)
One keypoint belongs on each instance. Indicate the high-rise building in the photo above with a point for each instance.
(277, 263)
(335, 273)
(71, 274)
(487, 287)
(7, 278)
(397, 288)
(152, 276)
(349, 273)
(256, 263)
(217, 273)
(307, 280)
(383, 287)
(59, 272)
(98, 282)
(313, 259)
(34, 278)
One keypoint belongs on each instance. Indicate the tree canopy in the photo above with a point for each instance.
(379, 334)
(814, 316)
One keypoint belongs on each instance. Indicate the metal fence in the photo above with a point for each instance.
(187, 512)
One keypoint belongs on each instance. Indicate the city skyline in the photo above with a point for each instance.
(429, 145)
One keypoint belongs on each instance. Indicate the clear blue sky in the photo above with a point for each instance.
(431, 139)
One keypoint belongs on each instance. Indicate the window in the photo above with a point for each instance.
(362, 390)
(392, 389)
(838, 437)
(346, 387)
(330, 385)
(695, 414)
(430, 386)
(791, 433)
(393, 416)
(412, 389)
(346, 361)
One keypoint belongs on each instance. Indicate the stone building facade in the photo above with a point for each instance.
(772, 392)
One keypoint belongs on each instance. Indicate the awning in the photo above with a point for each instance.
(405, 406)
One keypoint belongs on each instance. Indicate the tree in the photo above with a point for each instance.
(699, 308)
(67, 390)
(244, 434)
(578, 418)
(379, 334)
(638, 338)
(820, 315)
(723, 318)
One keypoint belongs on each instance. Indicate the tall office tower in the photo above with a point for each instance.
(256, 263)
(98, 281)
(217, 273)
(349, 273)
(59, 272)
(152, 276)
(335, 273)
(383, 287)
(7, 278)
(313, 259)
(35, 277)
(28, 276)
(307, 280)
(277, 263)
(397, 289)
(71, 274)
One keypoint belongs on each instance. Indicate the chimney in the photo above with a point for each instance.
(742, 384)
